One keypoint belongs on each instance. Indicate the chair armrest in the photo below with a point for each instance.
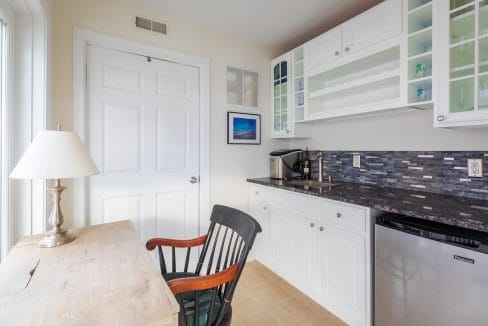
(186, 284)
(153, 243)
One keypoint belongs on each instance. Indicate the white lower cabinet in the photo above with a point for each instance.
(320, 246)
(343, 273)
(293, 239)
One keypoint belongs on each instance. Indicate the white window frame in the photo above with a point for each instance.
(23, 204)
(6, 235)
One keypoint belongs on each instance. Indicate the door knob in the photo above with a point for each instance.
(312, 225)
(347, 49)
(339, 214)
(440, 118)
(337, 53)
(194, 180)
(321, 228)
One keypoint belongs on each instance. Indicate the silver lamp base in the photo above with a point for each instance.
(54, 238)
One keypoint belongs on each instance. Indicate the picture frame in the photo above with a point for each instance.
(243, 128)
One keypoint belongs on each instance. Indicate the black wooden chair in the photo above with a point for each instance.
(205, 297)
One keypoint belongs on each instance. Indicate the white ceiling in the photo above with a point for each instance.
(279, 24)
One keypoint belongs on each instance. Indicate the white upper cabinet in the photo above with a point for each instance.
(323, 50)
(374, 26)
(463, 73)
(288, 94)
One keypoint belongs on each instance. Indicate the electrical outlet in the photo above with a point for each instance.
(356, 161)
(475, 168)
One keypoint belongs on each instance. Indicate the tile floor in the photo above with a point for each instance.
(264, 298)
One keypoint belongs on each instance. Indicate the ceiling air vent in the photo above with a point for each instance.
(151, 25)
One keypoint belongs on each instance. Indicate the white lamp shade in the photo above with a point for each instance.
(55, 155)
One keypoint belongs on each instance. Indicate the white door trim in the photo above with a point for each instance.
(81, 39)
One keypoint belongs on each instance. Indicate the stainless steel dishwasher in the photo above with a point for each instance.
(427, 273)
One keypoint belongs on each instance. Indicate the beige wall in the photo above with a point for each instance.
(396, 131)
(230, 164)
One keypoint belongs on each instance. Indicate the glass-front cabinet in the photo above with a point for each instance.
(281, 94)
(463, 83)
(288, 96)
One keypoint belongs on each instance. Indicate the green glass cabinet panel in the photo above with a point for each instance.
(483, 55)
(277, 90)
(462, 25)
(276, 72)
(277, 105)
(462, 95)
(284, 89)
(284, 122)
(462, 60)
(458, 3)
(277, 122)
(483, 92)
(483, 18)
(284, 104)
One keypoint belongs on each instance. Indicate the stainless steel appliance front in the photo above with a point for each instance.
(419, 281)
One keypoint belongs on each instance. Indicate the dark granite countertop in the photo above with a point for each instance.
(451, 210)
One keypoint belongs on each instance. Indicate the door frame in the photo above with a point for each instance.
(82, 38)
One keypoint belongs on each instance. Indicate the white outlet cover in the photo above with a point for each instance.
(475, 168)
(356, 161)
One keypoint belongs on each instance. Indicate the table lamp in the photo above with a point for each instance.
(55, 154)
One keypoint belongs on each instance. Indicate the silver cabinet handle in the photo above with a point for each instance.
(312, 225)
(347, 49)
(337, 53)
(339, 214)
(441, 118)
(321, 228)
(194, 180)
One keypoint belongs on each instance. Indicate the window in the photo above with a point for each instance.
(242, 87)
(3, 176)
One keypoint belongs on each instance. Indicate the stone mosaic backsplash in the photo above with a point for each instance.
(437, 172)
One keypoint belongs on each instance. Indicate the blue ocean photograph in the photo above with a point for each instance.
(244, 128)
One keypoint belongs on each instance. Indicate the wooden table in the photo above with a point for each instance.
(104, 277)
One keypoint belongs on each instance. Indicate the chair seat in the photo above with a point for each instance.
(188, 300)
(173, 276)
(204, 301)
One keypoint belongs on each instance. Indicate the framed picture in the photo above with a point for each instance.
(243, 128)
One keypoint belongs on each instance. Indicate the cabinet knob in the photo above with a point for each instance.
(265, 208)
(339, 214)
(287, 131)
(440, 118)
(347, 49)
(321, 228)
(312, 225)
(337, 53)
(256, 192)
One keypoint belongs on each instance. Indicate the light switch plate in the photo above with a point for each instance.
(475, 168)
(356, 161)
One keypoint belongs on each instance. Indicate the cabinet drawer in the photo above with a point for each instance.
(303, 204)
(344, 216)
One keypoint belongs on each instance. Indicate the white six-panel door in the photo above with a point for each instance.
(143, 134)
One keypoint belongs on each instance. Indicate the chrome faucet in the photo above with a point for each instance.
(319, 157)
